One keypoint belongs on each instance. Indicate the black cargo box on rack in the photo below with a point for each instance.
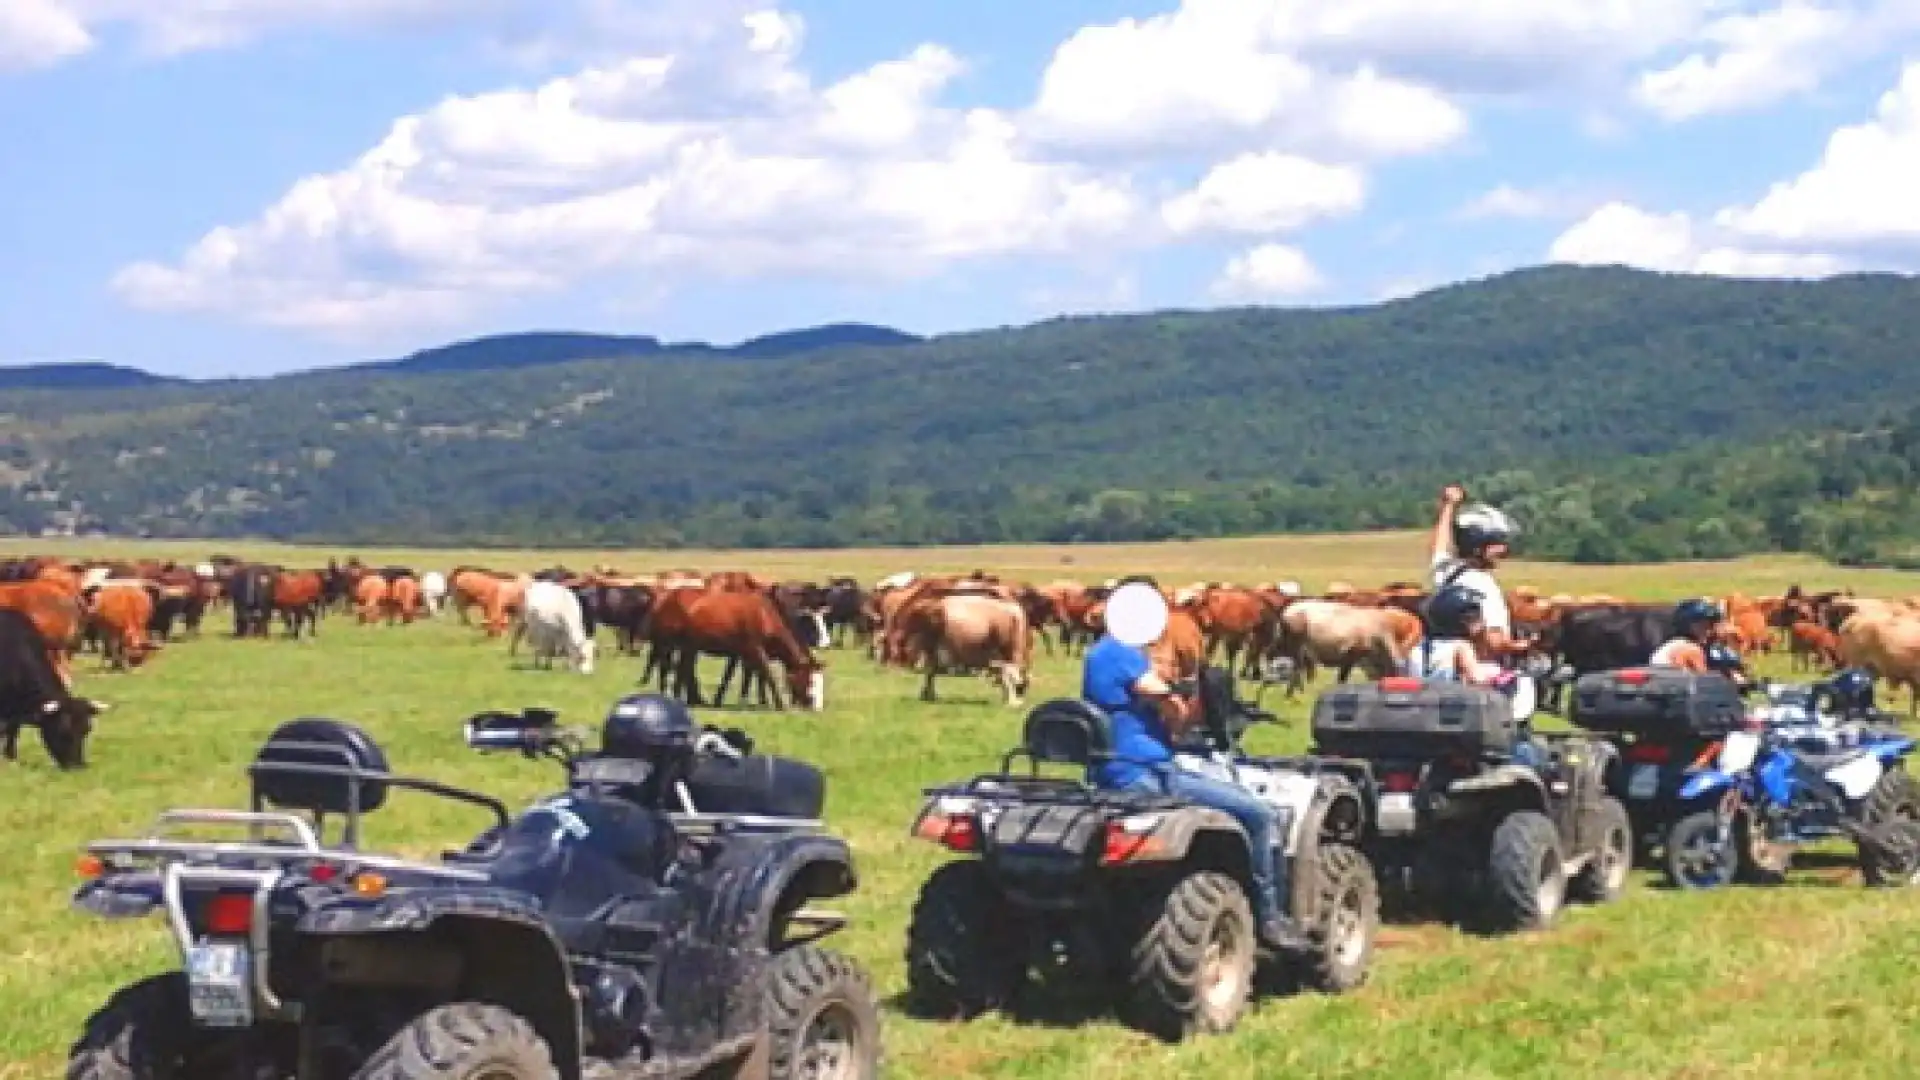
(1407, 718)
(1664, 704)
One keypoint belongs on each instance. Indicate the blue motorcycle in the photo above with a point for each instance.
(1763, 792)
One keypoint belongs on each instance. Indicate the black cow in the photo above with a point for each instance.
(625, 608)
(31, 693)
(251, 590)
(844, 600)
(395, 573)
(1587, 640)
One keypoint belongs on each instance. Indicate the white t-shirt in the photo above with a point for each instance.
(1437, 659)
(1493, 602)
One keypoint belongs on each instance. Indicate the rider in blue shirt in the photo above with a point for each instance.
(1147, 719)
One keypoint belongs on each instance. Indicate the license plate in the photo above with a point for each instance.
(219, 984)
(1645, 782)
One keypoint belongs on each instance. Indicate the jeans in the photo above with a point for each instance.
(1256, 817)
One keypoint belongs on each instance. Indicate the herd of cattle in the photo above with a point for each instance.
(51, 609)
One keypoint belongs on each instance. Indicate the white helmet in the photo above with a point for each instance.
(1478, 526)
(1136, 614)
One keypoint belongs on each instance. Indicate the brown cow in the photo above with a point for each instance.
(743, 625)
(975, 630)
(122, 609)
(297, 596)
(1231, 617)
(56, 612)
(403, 600)
(1814, 646)
(1181, 648)
(370, 594)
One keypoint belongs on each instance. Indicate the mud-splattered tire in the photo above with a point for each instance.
(1892, 808)
(1604, 877)
(462, 1041)
(1526, 873)
(822, 1022)
(1193, 963)
(1346, 919)
(1694, 860)
(963, 954)
(145, 1032)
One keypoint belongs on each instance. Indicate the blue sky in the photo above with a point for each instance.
(209, 188)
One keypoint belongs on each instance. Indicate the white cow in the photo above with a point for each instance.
(433, 591)
(551, 619)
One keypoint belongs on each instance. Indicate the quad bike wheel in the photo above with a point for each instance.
(1892, 813)
(145, 1032)
(1526, 873)
(962, 957)
(1604, 877)
(822, 1023)
(1193, 964)
(1346, 917)
(1695, 857)
(465, 1040)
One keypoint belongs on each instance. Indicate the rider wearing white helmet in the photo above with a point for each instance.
(1468, 545)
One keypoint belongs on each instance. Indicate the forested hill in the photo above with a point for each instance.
(1123, 427)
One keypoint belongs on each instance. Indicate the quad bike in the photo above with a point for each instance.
(1139, 889)
(1469, 812)
(650, 921)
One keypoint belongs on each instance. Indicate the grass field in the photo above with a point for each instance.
(1811, 979)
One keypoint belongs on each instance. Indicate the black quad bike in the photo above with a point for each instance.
(1460, 819)
(651, 921)
(1134, 889)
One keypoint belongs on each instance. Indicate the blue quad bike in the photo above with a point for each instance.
(653, 920)
(1769, 790)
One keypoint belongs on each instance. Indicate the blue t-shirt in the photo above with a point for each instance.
(1138, 733)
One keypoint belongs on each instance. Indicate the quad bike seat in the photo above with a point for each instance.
(320, 765)
(1068, 731)
(761, 784)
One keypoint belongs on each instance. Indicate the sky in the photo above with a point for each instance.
(240, 187)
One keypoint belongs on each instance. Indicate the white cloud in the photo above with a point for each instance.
(1507, 201)
(1265, 193)
(1222, 76)
(1267, 272)
(1759, 58)
(1852, 210)
(723, 162)
(39, 33)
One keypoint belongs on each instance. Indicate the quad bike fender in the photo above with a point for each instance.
(1336, 815)
(763, 894)
(494, 945)
(1506, 781)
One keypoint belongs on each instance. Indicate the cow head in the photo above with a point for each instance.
(64, 726)
(807, 682)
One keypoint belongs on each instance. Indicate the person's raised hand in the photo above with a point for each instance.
(1453, 495)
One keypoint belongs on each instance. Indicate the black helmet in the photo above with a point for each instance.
(1449, 609)
(1477, 527)
(648, 727)
(1690, 613)
(1852, 691)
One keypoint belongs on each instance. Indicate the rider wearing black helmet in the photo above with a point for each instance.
(1453, 621)
(1693, 628)
(653, 728)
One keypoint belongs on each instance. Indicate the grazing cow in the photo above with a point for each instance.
(1230, 617)
(975, 631)
(1333, 633)
(843, 604)
(742, 625)
(624, 607)
(551, 620)
(433, 592)
(1885, 639)
(122, 611)
(403, 599)
(33, 693)
(57, 614)
(298, 596)
(251, 588)
(371, 596)
(1814, 647)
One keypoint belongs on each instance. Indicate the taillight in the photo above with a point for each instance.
(1399, 783)
(323, 873)
(1649, 753)
(1400, 684)
(1127, 841)
(955, 832)
(230, 913)
(1634, 677)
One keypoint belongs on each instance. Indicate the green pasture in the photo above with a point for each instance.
(1811, 979)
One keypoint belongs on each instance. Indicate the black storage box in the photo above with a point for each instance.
(1408, 718)
(1664, 704)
